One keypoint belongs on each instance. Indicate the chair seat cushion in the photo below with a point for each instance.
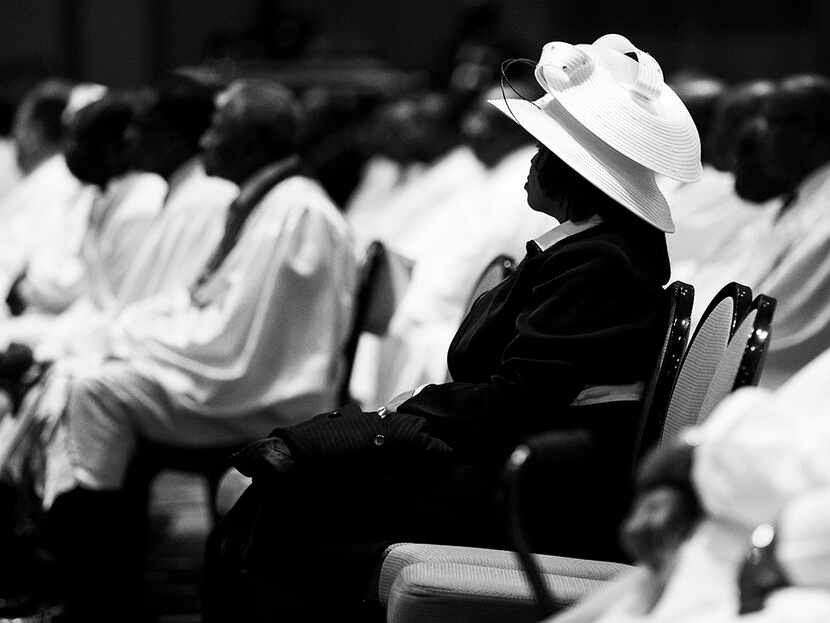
(402, 555)
(458, 593)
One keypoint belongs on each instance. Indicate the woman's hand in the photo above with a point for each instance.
(264, 458)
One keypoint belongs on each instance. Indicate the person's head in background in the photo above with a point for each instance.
(418, 128)
(786, 141)
(334, 139)
(38, 129)
(701, 95)
(795, 139)
(737, 106)
(165, 133)
(97, 149)
(489, 133)
(256, 123)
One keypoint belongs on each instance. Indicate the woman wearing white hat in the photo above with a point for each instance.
(566, 342)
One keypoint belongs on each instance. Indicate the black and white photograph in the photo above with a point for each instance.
(414, 311)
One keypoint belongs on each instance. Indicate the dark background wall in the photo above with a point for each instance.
(126, 42)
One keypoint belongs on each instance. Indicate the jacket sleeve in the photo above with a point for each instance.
(588, 311)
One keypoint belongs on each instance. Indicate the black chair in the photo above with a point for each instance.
(706, 349)
(447, 582)
(382, 279)
(743, 360)
(658, 390)
(499, 269)
(367, 278)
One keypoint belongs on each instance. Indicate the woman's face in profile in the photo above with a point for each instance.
(541, 179)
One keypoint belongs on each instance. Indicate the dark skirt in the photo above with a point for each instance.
(308, 545)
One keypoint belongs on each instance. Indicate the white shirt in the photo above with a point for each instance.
(380, 180)
(264, 345)
(707, 214)
(762, 245)
(396, 219)
(31, 214)
(182, 237)
(119, 222)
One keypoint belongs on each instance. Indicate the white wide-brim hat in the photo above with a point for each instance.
(612, 119)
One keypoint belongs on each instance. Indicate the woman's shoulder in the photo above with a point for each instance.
(610, 252)
(600, 243)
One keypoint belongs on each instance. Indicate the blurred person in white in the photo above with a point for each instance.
(53, 270)
(423, 132)
(759, 461)
(495, 220)
(98, 153)
(32, 207)
(163, 139)
(388, 169)
(255, 342)
(784, 152)
(709, 214)
(403, 204)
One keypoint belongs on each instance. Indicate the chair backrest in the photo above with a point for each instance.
(705, 352)
(658, 390)
(499, 268)
(743, 360)
(383, 278)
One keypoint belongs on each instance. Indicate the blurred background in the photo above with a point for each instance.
(130, 42)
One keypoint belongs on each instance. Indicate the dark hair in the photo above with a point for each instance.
(44, 106)
(184, 104)
(271, 113)
(97, 147)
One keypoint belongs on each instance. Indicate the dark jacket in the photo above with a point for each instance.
(587, 311)
(340, 487)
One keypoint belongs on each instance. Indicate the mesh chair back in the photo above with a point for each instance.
(743, 360)
(658, 390)
(381, 283)
(705, 352)
(496, 271)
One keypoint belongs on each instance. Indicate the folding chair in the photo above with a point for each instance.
(383, 279)
(499, 269)
(440, 582)
(706, 349)
(743, 360)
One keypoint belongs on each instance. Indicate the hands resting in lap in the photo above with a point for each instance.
(341, 438)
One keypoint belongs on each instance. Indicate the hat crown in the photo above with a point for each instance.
(562, 65)
(648, 80)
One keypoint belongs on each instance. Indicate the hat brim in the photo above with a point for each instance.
(630, 184)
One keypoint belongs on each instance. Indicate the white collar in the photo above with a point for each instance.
(565, 230)
(185, 171)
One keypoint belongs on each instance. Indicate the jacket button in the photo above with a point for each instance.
(379, 440)
(334, 414)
